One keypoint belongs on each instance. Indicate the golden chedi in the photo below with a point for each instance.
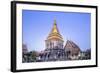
(54, 40)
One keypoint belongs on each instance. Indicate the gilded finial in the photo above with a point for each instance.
(54, 21)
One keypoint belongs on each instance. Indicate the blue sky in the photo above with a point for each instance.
(72, 26)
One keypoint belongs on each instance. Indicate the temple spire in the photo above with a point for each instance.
(54, 34)
(55, 29)
(54, 39)
(54, 21)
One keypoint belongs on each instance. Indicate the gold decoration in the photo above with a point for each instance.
(54, 34)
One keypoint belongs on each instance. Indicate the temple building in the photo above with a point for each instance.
(72, 49)
(54, 40)
(54, 48)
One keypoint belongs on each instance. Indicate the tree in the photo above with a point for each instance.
(34, 55)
